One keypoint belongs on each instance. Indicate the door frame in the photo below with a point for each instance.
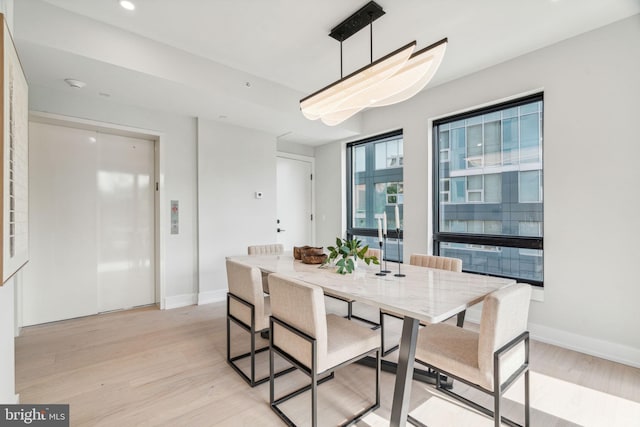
(311, 160)
(161, 216)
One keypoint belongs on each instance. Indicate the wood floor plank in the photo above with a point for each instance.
(153, 367)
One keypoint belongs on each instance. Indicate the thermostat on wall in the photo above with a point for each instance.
(258, 194)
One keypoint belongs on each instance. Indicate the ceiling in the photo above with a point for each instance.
(248, 62)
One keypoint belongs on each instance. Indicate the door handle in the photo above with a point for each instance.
(280, 230)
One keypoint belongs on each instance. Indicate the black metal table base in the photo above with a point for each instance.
(427, 377)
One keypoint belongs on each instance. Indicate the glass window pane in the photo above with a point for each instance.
(444, 140)
(474, 140)
(457, 190)
(359, 205)
(492, 146)
(498, 260)
(474, 182)
(529, 138)
(505, 202)
(359, 159)
(529, 188)
(493, 227)
(458, 154)
(493, 188)
(530, 229)
(381, 155)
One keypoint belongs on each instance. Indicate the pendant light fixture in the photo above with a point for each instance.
(393, 78)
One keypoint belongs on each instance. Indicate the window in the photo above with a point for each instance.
(375, 185)
(488, 189)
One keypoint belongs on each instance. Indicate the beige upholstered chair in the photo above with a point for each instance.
(313, 341)
(248, 307)
(272, 249)
(429, 261)
(490, 360)
(439, 262)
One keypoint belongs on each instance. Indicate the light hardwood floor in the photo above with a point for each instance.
(153, 367)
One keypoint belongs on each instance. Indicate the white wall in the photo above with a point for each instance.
(330, 191)
(233, 163)
(591, 227)
(178, 176)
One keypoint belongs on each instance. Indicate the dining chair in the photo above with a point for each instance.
(270, 249)
(490, 360)
(313, 341)
(429, 261)
(247, 307)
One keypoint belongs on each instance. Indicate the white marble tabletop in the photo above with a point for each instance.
(426, 294)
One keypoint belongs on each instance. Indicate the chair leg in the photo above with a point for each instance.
(389, 350)
(496, 407)
(314, 399)
(527, 408)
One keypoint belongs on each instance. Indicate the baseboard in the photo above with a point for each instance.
(177, 301)
(212, 296)
(592, 346)
(10, 400)
(588, 345)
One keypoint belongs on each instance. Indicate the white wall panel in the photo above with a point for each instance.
(60, 278)
(233, 163)
(125, 188)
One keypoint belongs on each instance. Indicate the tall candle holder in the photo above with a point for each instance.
(386, 270)
(399, 274)
(381, 273)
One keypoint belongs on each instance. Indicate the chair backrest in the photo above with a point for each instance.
(272, 249)
(439, 262)
(505, 313)
(245, 282)
(300, 305)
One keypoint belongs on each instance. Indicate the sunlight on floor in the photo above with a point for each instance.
(575, 403)
(568, 403)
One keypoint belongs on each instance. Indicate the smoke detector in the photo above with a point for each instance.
(76, 84)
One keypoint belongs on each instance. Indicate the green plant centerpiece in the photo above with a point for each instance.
(347, 252)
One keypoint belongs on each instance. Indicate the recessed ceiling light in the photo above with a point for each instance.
(76, 84)
(127, 4)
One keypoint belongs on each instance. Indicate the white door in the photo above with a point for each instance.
(91, 219)
(294, 208)
(125, 223)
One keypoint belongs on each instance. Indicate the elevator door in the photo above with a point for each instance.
(91, 215)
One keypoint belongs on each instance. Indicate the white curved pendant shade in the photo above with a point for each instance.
(328, 100)
(377, 85)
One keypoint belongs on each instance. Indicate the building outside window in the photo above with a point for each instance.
(374, 186)
(488, 182)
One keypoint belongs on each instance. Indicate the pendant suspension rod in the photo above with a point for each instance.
(341, 75)
(371, 37)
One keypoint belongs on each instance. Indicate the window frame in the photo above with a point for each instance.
(521, 242)
(369, 232)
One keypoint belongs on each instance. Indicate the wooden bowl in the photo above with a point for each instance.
(297, 251)
(310, 250)
(313, 259)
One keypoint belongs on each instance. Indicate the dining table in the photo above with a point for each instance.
(421, 294)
